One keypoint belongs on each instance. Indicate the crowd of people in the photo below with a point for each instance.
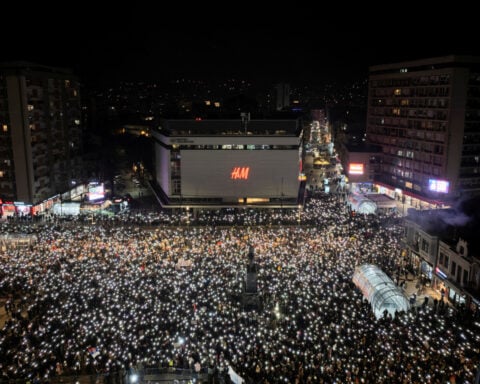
(102, 297)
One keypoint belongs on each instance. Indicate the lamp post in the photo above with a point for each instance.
(299, 218)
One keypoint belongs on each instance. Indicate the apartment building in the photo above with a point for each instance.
(40, 131)
(425, 115)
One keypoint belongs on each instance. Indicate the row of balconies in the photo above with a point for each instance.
(468, 162)
(471, 139)
(470, 173)
(403, 123)
(472, 185)
(411, 103)
(438, 118)
(412, 164)
(42, 182)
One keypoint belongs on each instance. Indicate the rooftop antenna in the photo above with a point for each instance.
(245, 116)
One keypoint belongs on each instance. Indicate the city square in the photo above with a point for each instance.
(122, 295)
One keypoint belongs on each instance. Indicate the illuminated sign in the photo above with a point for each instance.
(355, 169)
(95, 191)
(438, 185)
(440, 273)
(240, 173)
(302, 177)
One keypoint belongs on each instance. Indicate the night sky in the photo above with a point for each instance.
(286, 44)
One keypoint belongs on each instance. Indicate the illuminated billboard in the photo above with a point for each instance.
(441, 186)
(240, 174)
(355, 169)
(95, 192)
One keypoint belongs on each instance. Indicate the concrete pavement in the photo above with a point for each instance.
(412, 286)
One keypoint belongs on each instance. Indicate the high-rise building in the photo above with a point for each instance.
(40, 131)
(425, 115)
(282, 96)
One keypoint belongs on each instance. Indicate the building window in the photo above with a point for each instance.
(454, 268)
(440, 260)
(30, 107)
(424, 245)
(2, 173)
(459, 274)
(5, 127)
(397, 92)
(446, 261)
(177, 187)
(465, 277)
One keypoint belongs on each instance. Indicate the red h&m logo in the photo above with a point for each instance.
(239, 173)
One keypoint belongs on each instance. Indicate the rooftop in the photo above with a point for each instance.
(230, 127)
(428, 64)
(14, 66)
(451, 224)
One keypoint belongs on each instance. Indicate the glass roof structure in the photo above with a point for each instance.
(362, 204)
(380, 291)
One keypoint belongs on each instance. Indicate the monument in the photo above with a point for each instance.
(250, 298)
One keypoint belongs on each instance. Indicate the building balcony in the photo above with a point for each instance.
(43, 180)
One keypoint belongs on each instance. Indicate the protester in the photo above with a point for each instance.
(139, 290)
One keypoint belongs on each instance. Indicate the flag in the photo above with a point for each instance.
(93, 352)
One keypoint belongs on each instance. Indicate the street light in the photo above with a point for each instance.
(188, 215)
(299, 218)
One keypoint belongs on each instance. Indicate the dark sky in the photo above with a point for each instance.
(291, 44)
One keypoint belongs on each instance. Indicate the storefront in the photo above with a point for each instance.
(23, 209)
(426, 270)
(452, 293)
(8, 209)
(15, 208)
(455, 296)
(474, 304)
(409, 199)
(415, 261)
